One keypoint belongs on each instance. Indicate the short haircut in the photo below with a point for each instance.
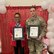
(33, 7)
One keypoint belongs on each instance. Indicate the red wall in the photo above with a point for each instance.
(9, 17)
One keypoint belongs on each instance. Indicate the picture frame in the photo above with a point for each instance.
(18, 33)
(33, 31)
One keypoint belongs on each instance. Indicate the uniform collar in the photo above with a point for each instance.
(34, 17)
(18, 24)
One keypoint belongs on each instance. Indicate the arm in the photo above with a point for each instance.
(10, 31)
(27, 28)
(43, 28)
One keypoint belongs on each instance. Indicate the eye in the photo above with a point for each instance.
(32, 11)
(17, 17)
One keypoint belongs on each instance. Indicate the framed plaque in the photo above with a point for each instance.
(33, 31)
(18, 33)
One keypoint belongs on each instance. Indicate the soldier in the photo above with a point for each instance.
(36, 45)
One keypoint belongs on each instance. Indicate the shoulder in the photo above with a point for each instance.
(28, 19)
(11, 24)
(41, 19)
(22, 23)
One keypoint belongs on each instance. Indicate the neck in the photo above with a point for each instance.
(18, 22)
(34, 17)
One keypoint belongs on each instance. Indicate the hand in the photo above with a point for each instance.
(39, 38)
(12, 38)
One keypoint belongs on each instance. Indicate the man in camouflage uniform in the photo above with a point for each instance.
(35, 44)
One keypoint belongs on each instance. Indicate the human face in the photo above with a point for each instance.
(33, 12)
(17, 18)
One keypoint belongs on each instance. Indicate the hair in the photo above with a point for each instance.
(33, 7)
(17, 13)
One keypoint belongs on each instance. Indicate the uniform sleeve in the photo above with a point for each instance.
(24, 27)
(10, 30)
(27, 27)
(43, 28)
(26, 23)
